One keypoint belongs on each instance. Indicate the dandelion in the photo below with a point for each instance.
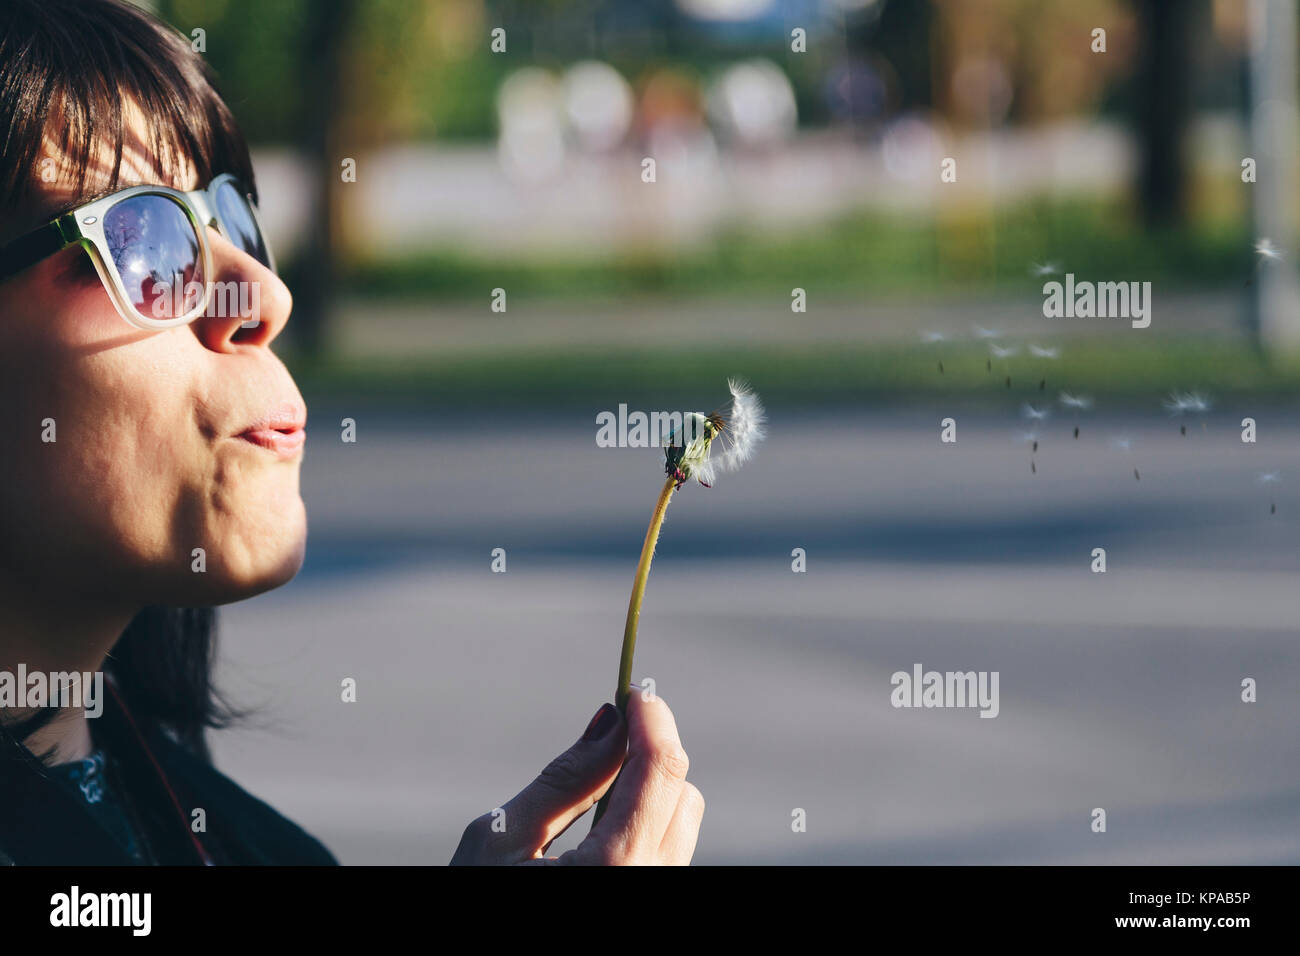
(1125, 444)
(1042, 351)
(687, 455)
(1078, 403)
(1003, 351)
(1265, 249)
(983, 333)
(932, 338)
(1270, 478)
(1041, 269)
(1035, 414)
(1181, 403)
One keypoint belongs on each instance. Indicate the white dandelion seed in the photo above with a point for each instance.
(933, 337)
(983, 333)
(1035, 414)
(741, 431)
(1003, 351)
(1026, 438)
(1269, 477)
(1265, 249)
(1080, 402)
(1044, 268)
(1122, 442)
(1043, 351)
(1179, 403)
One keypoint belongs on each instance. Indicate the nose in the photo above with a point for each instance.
(249, 304)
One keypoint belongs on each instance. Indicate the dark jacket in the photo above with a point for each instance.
(43, 822)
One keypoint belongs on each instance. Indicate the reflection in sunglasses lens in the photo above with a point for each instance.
(156, 251)
(237, 216)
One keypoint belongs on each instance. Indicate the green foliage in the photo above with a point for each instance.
(1135, 373)
(867, 254)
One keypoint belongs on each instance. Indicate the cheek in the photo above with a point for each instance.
(109, 486)
(138, 474)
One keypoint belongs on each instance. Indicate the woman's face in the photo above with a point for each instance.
(148, 463)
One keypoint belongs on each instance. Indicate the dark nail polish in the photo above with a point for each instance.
(606, 719)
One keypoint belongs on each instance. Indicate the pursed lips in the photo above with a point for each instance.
(280, 430)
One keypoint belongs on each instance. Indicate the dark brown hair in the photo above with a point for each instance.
(67, 67)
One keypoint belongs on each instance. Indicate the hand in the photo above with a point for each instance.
(653, 815)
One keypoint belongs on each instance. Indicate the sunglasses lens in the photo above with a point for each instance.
(157, 255)
(237, 217)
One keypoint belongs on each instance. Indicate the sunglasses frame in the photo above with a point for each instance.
(84, 226)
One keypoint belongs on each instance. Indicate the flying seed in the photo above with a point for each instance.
(1183, 429)
(940, 368)
(1033, 468)
(1035, 447)
(1136, 475)
(1076, 431)
(1008, 381)
(1042, 385)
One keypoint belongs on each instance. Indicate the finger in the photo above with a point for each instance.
(565, 790)
(642, 804)
(678, 845)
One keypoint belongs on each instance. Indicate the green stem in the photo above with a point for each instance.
(623, 692)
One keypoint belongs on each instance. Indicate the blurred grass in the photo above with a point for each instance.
(1136, 374)
(969, 248)
(972, 248)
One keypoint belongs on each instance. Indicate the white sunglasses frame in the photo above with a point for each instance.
(84, 226)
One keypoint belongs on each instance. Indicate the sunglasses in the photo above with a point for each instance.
(150, 246)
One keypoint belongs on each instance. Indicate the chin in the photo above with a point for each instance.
(252, 560)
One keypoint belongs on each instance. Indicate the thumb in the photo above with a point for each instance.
(568, 787)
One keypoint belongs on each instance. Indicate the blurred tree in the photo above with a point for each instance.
(1166, 30)
(328, 22)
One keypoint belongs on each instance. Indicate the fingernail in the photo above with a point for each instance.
(606, 719)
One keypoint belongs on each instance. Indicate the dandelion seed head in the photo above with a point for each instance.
(983, 333)
(688, 455)
(1035, 414)
(1003, 351)
(1044, 268)
(1122, 442)
(1075, 401)
(743, 428)
(1043, 351)
(1269, 477)
(933, 337)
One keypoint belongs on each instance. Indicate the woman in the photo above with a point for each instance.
(152, 447)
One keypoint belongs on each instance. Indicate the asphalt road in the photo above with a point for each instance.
(1119, 690)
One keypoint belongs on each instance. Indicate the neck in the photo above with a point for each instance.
(57, 637)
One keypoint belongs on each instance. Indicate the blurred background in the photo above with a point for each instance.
(408, 169)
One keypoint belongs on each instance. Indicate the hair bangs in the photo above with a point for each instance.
(76, 73)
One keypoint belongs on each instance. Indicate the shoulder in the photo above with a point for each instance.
(245, 829)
